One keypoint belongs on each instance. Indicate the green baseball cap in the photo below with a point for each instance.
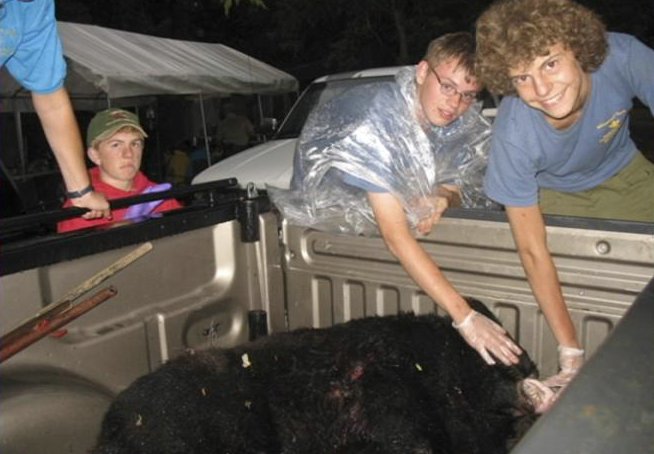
(107, 122)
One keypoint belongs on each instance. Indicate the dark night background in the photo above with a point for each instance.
(309, 38)
(305, 38)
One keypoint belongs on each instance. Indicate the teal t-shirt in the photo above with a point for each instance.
(527, 153)
(30, 47)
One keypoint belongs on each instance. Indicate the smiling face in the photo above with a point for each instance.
(554, 84)
(439, 108)
(119, 157)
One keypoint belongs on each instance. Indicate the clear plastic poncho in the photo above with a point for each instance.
(373, 134)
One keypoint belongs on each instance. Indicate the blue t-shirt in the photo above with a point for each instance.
(29, 44)
(527, 153)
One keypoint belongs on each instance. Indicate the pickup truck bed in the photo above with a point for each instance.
(217, 260)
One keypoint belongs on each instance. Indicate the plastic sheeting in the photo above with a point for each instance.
(375, 133)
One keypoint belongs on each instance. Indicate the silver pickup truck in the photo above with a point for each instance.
(227, 259)
(226, 263)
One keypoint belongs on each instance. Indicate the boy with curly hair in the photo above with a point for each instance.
(561, 142)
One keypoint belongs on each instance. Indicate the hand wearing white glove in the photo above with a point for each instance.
(488, 338)
(570, 361)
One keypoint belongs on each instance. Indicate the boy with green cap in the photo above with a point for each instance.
(115, 141)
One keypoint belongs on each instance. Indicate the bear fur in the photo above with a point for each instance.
(393, 384)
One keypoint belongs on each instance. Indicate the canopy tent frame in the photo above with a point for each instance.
(113, 67)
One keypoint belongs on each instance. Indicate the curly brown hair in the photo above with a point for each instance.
(514, 32)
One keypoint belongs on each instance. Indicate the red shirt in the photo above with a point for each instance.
(141, 182)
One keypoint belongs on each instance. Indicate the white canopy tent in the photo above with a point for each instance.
(106, 66)
(104, 62)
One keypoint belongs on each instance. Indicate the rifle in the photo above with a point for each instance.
(54, 316)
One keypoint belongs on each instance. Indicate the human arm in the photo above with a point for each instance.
(480, 332)
(38, 65)
(530, 237)
(60, 126)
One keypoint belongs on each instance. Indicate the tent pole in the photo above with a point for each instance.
(204, 129)
(260, 105)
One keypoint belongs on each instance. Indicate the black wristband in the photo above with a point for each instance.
(80, 193)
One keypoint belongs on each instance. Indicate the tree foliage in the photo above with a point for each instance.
(309, 38)
(229, 4)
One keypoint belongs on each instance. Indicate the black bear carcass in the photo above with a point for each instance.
(393, 384)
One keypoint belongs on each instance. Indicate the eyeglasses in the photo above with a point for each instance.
(450, 90)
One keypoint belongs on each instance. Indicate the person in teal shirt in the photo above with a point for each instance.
(31, 51)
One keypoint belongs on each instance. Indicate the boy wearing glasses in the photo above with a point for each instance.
(391, 157)
(561, 142)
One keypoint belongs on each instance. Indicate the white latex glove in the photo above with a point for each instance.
(570, 361)
(486, 336)
(540, 396)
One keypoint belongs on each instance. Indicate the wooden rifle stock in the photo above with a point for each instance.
(48, 322)
(58, 314)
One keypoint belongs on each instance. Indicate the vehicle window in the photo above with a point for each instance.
(317, 94)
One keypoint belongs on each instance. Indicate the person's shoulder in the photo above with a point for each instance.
(347, 108)
(617, 38)
(387, 88)
(28, 21)
(364, 94)
(386, 97)
(510, 112)
(625, 53)
(509, 103)
(30, 14)
(622, 45)
(388, 94)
